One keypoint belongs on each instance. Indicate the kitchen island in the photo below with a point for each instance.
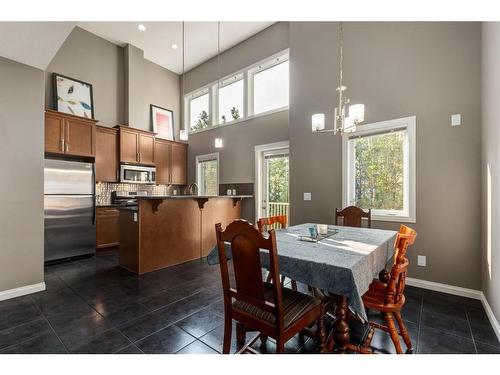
(166, 230)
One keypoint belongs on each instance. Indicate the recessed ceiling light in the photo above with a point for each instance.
(174, 46)
(141, 27)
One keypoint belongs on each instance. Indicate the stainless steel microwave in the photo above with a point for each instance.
(137, 174)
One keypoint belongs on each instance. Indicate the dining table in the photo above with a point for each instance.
(341, 263)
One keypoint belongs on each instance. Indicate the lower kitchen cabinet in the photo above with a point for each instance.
(107, 227)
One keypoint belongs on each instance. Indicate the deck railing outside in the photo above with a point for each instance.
(278, 209)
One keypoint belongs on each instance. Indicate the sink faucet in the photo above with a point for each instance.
(189, 189)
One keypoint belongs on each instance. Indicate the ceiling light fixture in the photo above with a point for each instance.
(183, 134)
(343, 122)
(174, 46)
(141, 27)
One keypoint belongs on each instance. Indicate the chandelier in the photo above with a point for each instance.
(345, 118)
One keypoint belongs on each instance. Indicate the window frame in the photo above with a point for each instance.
(202, 158)
(212, 89)
(409, 190)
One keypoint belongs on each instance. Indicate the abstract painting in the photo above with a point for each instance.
(73, 96)
(163, 122)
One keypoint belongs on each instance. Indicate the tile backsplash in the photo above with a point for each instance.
(103, 190)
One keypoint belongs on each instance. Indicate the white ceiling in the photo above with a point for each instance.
(33, 43)
(156, 41)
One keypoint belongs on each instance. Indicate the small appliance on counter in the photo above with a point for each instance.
(126, 198)
(69, 209)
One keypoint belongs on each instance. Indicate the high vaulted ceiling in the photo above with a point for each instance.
(156, 41)
(36, 43)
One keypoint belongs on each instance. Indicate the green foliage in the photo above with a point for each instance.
(223, 117)
(203, 121)
(278, 179)
(235, 113)
(209, 170)
(379, 171)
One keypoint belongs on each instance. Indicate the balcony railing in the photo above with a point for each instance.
(278, 209)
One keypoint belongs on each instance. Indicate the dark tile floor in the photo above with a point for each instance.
(94, 306)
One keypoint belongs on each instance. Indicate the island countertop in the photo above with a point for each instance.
(192, 196)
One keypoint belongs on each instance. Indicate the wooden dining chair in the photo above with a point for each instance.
(352, 216)
(274, 222)
(387, 294)
(268, 308)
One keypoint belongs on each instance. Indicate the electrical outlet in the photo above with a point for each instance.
(422, 260)
(307, 196)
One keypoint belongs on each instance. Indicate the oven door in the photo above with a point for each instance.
(137, 174)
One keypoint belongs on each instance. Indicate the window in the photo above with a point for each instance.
(231, 100)
(379, 169)
(199, 111)
(270, 88)
(207, 174)
(255, 90)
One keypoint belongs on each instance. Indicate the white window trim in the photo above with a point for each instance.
(212, 88)
(200, 158)
(347, 154)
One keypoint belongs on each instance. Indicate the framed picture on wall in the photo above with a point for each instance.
(73, 96)
(163, 122)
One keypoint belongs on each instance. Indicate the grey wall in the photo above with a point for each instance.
(21, 149)
(147, 83)
(430, 70)
(124, 83)
(237, 156)
(491, 164)
(91, 59)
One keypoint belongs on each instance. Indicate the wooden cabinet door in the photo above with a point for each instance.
(129, 146)
(79, 138)
(54, 134)
(106, 154)
(146, 149)
(178, 164)
(162, 162)
(107, 227)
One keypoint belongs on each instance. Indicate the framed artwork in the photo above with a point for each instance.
(73, 96)
(163, 122)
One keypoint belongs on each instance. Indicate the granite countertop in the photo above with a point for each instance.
(192, 196)
(110, 205)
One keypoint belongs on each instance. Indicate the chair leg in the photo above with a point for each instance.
(320, 334)
(240, 333)
(280, 346)
(269, 278)
(404, 332)
(228, 326)
(393, 332)
(263, 339)
(294, 285)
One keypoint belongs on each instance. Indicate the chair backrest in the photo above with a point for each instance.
(246, 244)
(353, 216)
(397, 281)
(272, 222)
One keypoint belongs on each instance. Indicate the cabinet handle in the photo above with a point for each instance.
(117, 175)
(62, 144)
(67, 147)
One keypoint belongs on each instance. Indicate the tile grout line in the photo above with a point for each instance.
(52, 328)
(470, 329)
(419, 322)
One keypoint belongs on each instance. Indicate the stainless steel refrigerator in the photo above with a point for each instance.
(69, 209)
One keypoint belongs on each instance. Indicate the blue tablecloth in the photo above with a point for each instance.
(344, 263)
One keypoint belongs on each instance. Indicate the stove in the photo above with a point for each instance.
(126, 198)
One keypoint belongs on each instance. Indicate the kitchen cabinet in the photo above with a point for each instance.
(106, 154)
(136, 146)
(107, 227)
(69, 135)
(171, 162)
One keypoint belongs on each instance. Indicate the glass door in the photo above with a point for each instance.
(275, 183)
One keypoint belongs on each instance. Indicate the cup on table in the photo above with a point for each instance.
(313, 232)
(322, 229)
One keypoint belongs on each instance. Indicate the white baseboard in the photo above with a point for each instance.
(21, 291)
(445, 288)
(459, 291)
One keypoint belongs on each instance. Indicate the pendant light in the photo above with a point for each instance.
(183, 134)
(343, 122)
(218, 142)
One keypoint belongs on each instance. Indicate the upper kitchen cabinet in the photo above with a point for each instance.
(70, 135)
(106, 155)
(136, 146)
(171, 162)
(179, 164)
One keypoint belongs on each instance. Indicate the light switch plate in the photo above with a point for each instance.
(135, 217)
(307, 196)
(456, 119)
(421, 260)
